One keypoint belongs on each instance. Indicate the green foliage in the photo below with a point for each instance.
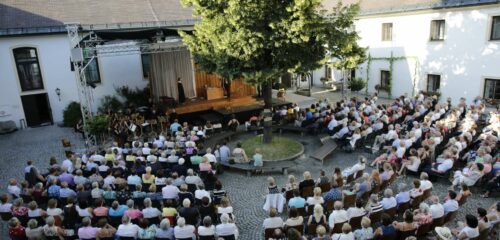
(134, 97)
(98, 125)
(257, 40)
(356, 84)
(342, 39)
(72, 114)
(109, 102)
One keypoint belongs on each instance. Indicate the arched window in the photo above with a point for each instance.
(28, 69)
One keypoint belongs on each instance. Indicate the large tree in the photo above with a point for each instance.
(261, 40)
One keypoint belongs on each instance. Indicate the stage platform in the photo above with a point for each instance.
(224, 103)
(220, 110)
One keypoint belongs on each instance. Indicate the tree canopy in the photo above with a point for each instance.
(261, 40)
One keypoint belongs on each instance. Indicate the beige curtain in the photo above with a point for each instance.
(164, 71)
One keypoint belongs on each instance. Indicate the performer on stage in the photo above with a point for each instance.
(180, 89)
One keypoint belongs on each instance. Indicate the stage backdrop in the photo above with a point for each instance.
(166, 68)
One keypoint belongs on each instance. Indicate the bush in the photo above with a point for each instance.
(134, 97)
(109, 102)
(98, 125)
(72, 114)
(356, 84)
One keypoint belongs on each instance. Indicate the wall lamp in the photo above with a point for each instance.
(58, 92)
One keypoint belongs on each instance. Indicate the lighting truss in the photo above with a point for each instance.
(93, 47)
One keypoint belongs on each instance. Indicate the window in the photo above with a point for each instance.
(491, 88)
(28, 68)
(433, 82)
(328, 71)
(386, 31)
(437, 30)
(92, 72)
(384, 79)
(495, 28)
(146, 63)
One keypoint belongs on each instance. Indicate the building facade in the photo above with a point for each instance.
(437, 47)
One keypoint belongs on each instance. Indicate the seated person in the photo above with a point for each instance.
(273, 221)
(294, 219)
(469, 230)
(408, 224)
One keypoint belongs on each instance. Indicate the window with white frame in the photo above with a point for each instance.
(433, 82)
(28, 68)
(437, 30)
(495, 28)
(386, 31)
(491, 88)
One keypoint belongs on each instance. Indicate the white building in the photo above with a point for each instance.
(445, 46)
(35, 53)
(436, 45)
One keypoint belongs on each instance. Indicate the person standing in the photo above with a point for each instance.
(180, 89)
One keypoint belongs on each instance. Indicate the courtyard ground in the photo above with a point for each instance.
(246, 193)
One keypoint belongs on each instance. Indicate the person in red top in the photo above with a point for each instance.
(16, 230)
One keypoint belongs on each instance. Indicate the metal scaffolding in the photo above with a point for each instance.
(86, 46)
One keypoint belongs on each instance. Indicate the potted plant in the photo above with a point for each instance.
(356, 84)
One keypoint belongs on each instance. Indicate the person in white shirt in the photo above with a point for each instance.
(446, 165)
(425, 184)
(193, 179)
(388, 201)
(360, 166)
(201, 193)
(68, 163)
(127, 229)
(211, 157)
(273, 221)
(468, 176)
(317, 198)
(437, 209)
(346, 234)
(338, 215)
(226, 228)
(13, 189)
(356, 211)
(468, 231)
(451, 204)
(146, 150)
(149, 211)
(5, 206)
(170, 191)
(183, 231)
(207, 228)
(342, 132)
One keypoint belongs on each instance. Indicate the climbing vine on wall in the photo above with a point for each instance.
(391, 61)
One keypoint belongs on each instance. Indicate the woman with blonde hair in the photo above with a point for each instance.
(307, 182)
(346, 234)
(291, 184)
(321, 233)
(272, 188)
(205, 165)
(317, 198)
(366, 231)
(318, 217)
(148, 177)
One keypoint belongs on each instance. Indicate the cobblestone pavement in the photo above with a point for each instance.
(246, 193)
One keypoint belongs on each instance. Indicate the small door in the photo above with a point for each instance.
(37, 110)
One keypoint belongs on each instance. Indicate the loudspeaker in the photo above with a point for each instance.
(77, 55)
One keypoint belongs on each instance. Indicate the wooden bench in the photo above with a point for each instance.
(300, 130)
(328, 147)
(281, 166)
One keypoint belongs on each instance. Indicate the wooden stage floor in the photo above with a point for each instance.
(224, 105)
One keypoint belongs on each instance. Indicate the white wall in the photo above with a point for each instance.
(463, 59)
(53, 54)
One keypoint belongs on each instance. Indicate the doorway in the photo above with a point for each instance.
(37, 110)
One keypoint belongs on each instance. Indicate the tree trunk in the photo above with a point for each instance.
(267, 89)
(267, 93)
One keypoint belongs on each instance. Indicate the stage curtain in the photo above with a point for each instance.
(165, 68)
